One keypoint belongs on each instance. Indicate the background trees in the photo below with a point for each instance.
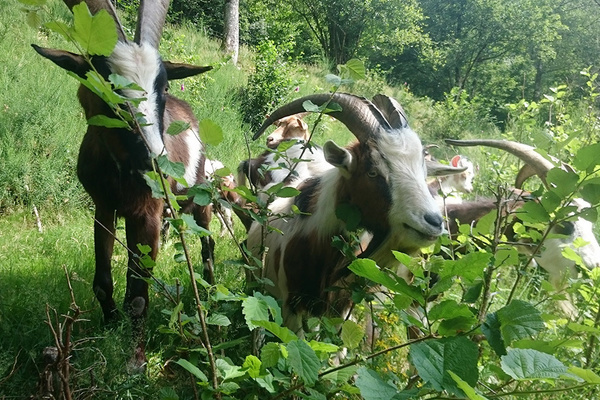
(500, 50)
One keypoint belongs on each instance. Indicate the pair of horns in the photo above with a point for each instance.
(150, 21)
(362, 117)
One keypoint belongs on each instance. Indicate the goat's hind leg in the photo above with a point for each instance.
(202, 215)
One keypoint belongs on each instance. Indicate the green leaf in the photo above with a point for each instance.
(108, 122)
(322, 347)
(372, 387)
(173, 169)
(254, 309)
(491, 330)
(191, 368)
(519, 320)
(269, 354)
(448, 309)
(356, 69)
(350, 214)
(333, 80)
(228, 370)
(287, 192)
(218, 319)
(33, 19)
(96, 34)
(465, 387)
(591, 193)
(434, 358)
(367, 268)
(526, 364)
(177, 127)
(352, 334)
(304, 361)
(534, 213)
(582, 328)
(59, 27)
(564, 183)
(587, 375)
(587, 157)
(167, 393)
(469, 267)
(252, 366)
(193, 226)
(210, 132)
(283, 333)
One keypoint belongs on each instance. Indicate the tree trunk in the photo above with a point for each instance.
(231, 37)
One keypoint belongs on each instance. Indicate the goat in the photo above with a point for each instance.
(448, 188)
(264, 169)
(381, 177)
(112, 161)
(550, 256)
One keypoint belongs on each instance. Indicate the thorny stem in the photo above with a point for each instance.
(188, 259)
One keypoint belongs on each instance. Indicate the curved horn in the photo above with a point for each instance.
(525, 173)
(97, 5)
(392, 110)
(526, 153)
(360, 116)
(150, 22)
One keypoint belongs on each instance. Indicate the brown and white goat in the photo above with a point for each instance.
(550, 256)
(112, 162)
(265, 169)
(381, 177)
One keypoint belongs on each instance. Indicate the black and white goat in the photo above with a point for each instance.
(112, 162)
(382, 177)
(550, 256)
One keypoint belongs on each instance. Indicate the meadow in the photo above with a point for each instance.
(46, 274)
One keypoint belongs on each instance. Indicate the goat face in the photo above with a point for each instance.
(292, 127)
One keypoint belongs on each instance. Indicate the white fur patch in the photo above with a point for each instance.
(140, 64)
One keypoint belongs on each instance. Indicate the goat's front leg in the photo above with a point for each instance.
(104, 239)
(140, 230)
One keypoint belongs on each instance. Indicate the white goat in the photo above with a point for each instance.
(448, 189)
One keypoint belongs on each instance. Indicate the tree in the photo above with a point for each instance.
(231, 39)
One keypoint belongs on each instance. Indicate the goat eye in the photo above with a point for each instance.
(372, 173)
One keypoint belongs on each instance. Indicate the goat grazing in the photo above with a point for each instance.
(381, 176)
(112, 161)
(550, 256)
(448, 188)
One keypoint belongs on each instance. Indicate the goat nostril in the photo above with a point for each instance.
(269, 139)
(434, 219)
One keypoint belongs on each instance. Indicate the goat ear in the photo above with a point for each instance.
(339, 157)
(455, 161)
(435, 168)
(180, 71)
(65, 59)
